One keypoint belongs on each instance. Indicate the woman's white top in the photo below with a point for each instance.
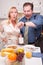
(11, 32)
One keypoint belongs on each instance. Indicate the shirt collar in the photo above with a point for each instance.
(29, 18)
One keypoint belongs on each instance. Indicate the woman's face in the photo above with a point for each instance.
(13, 14)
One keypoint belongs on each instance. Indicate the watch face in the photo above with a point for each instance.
(24, 24)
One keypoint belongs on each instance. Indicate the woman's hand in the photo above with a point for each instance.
(4, 40)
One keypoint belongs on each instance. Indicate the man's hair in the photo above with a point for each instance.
(27, 3)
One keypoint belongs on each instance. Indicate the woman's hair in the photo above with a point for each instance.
(28, 3)
(10, 10)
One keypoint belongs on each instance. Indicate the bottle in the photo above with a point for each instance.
(21, 40)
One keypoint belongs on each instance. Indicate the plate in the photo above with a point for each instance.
(12, 46)
(29, 48)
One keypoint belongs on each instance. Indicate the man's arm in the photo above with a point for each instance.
(38, 20)
(35, 22)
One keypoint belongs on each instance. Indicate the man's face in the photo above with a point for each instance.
(27, 11)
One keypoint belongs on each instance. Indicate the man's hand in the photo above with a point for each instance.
(30, 24)
(20, 24)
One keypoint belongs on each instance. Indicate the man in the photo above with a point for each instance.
(33, 21)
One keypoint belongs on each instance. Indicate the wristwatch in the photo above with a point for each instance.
(24, 24)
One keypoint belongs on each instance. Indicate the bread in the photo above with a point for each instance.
(13, 47)
(7, 50)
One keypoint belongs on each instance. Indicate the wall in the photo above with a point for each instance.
(6, 4)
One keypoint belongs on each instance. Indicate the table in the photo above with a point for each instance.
(31, 61)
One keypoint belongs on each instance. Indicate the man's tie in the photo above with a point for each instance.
(26, 35)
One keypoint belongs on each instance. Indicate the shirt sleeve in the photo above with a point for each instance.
(38, 20)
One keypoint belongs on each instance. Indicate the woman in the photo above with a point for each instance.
(11, 31)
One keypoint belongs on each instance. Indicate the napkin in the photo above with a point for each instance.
(36, 54)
